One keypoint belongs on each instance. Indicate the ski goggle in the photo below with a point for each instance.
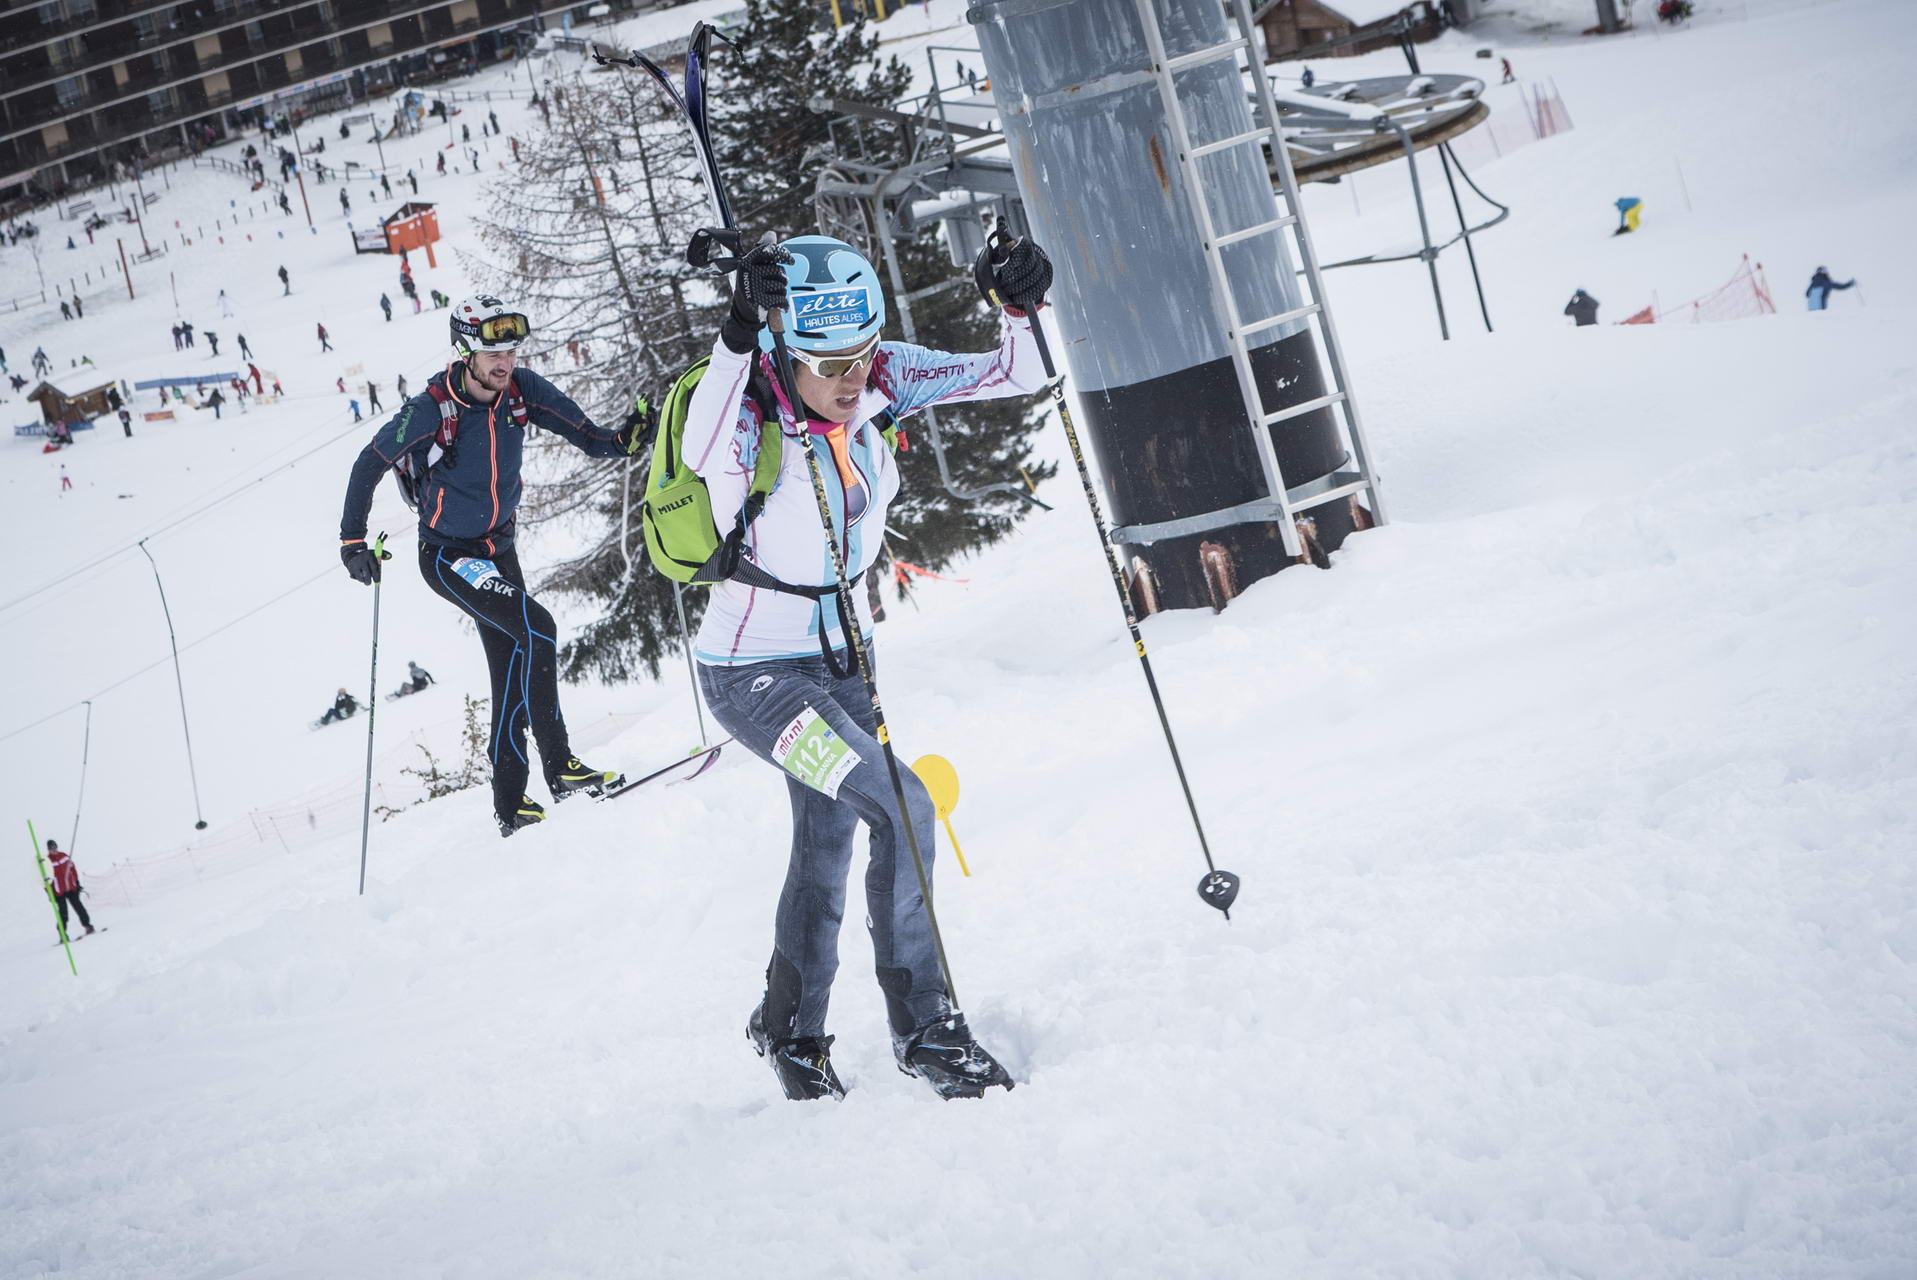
(512, 327)
(839, 363)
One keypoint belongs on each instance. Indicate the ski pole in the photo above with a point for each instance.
(1218, 888)
(782, 362)
(372, 715)
(46, 883)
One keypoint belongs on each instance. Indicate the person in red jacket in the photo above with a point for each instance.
(66, 885)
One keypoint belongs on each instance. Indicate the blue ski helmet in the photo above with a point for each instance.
(836, 299)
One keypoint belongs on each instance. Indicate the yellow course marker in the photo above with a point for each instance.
(941, 780)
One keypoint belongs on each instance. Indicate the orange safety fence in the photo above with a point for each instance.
(1747, 293)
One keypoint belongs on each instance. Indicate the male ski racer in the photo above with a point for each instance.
(459, 441)
(765, 665)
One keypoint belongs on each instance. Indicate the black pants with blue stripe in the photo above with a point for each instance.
(518, 634)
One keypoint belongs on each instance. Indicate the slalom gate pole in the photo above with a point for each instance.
(372, 715)
(86, 747)
(179, 682)
(46, 883)
(1218, 888)
(782, 362)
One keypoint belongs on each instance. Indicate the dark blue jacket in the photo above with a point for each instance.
(468, 498)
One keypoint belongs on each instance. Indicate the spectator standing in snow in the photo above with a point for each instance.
(1583, 307)
(66, 887)
(245, 350)
(126, 422)
(179, 342)
(345, 205)
(413, 180)
(286, 206)
(494, 117)
(442, 164)
(386, 305)
(1820, 286)
(1509, 75)
(286, 282)
(384, 185)
(372, 396)
(186, 331)
(66, 310)
(401, 385)
(324, 344)
(1307, 79)
(212, 340)
(66, 481)
(214, 402)
(465, 133)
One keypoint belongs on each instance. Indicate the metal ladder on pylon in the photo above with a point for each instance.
(1286, 501)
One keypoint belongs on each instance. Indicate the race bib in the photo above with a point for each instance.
(809, 751)
(483, 574)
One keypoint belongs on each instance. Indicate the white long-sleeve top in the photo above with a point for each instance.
(746, 624)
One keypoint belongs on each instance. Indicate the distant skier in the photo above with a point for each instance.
(286, 282)
(1820, 288)
(384, 185)
(66, 481)
(66, 887)
(417, 678)
(126, 422)
(401, 386)
(212, 340)
(66, 310)
(186, 332)
(346, 205)
(1582, 306)
(1509, 75)
(354, 406)
(324, 344)
(1629, 210)
(1307, 79)
(226, 307)
(372, 396)
(442, 164)
(413, 179)
(214, 402)
(468, 500)
(343, 706)
(244, 349)
(286, 205)
(386, 305)
(259, 381)
(766, 647)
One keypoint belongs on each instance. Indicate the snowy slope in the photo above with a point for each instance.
(1574, 810)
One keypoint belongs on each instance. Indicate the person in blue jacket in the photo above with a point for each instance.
(457, 447)
(1820, 286)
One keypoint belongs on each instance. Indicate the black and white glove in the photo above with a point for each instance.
(637, 427)
(361, 560)
(1012, 272)
(758, 286)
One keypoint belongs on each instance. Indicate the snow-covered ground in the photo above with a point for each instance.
(1574, 808)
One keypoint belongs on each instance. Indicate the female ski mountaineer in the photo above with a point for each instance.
(765, 653)
(456, 448)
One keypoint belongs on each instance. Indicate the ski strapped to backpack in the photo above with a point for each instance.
(682, 534)
(409, 474)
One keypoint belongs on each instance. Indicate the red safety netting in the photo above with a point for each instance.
(1747, 293)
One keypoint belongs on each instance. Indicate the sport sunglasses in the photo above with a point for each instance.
(839, 364)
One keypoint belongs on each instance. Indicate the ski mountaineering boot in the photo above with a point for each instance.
(574, 777)
(527, 812)
(944, 1054)
(804, 1065)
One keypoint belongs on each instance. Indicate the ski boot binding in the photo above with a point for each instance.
(804, 1065)
(944, 1054)
(528, 812)
(574, 777)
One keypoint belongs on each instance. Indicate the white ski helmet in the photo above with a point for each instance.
(484, 323)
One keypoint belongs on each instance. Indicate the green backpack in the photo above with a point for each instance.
(682, 536)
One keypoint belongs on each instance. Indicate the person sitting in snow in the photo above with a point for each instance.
(343, 706)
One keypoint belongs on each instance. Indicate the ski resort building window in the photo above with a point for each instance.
(70, 90)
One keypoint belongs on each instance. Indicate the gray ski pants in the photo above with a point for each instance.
(818, 731)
